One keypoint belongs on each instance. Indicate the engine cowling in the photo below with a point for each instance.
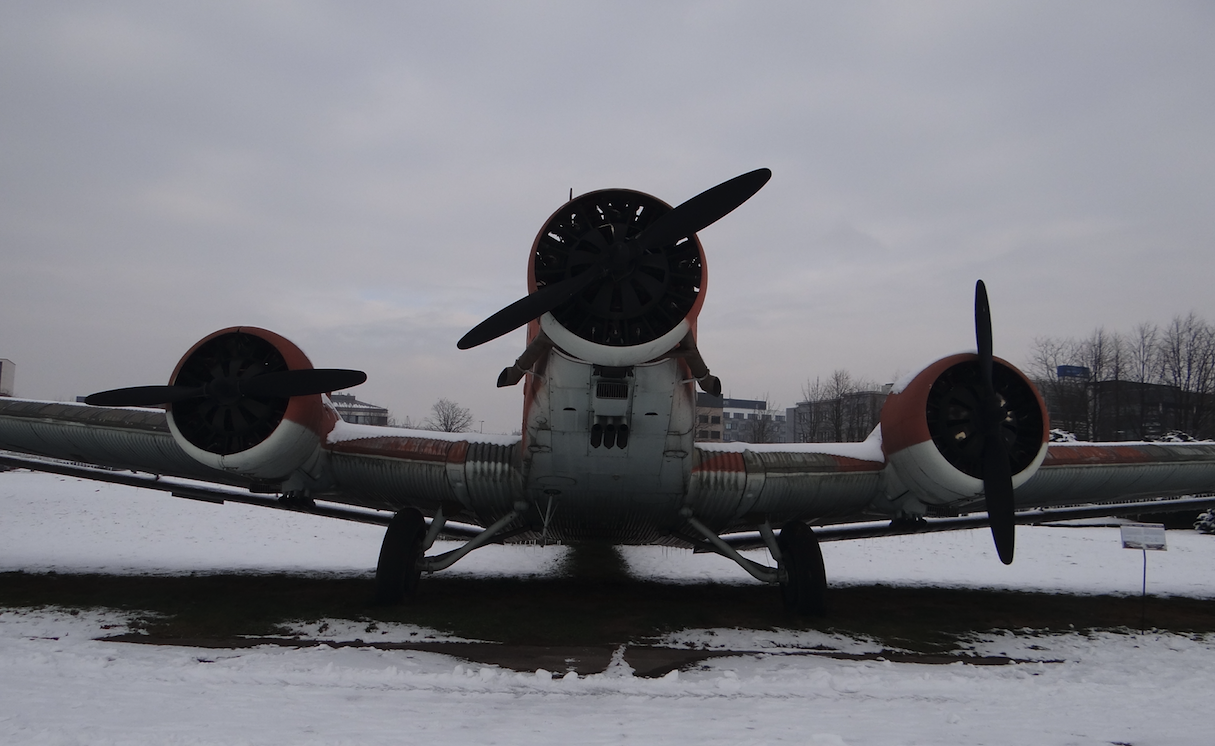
(638, 311)
(932, 439)
(265, 438)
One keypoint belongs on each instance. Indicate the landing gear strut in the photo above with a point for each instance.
(400, 565)
(803, 581)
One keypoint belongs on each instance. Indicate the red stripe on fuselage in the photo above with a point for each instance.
(845, 463)
(409, 449)
(1101, 455)
(721, 462)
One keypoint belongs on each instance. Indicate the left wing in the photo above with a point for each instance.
(128, 439)
(243, 414)
(368, 468)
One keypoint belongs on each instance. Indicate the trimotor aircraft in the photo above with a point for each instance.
(607, 450)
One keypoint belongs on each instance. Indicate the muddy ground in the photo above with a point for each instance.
(577, 618)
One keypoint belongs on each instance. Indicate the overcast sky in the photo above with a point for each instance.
(367, 179)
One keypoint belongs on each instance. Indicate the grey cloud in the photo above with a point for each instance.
(368, 179)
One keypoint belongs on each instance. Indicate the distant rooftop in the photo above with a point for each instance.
(358, 412)
(348, 401)
(708, 400)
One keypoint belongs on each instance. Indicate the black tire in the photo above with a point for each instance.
(804, 579)
(400, 566)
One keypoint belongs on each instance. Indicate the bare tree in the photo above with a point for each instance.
(449, 417)
(836, 391)
(1105, 357)
(839, 409)
(1187, 356)
(764, 428)
(810, 421)
(1140, 386)
(1067, 394)
(1143, 366)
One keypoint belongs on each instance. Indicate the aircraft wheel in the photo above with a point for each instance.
(400, 566)
(804, 584)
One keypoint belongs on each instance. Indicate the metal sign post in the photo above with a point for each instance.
(1143, 536)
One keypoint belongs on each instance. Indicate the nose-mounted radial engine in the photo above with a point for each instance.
(613, 280)
(642, 295)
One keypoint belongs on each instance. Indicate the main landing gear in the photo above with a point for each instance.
(799, 563)
(799, 570)
(400, 566)
(402, 554)
(803, 580)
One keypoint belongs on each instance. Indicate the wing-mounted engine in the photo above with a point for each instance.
(933, 435)
(244, 400)
(263, 435)
(965, 426)
(645, 302)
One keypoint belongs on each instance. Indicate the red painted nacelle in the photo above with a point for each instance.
(930, 433)
(262, 438)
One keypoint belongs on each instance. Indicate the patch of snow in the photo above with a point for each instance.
(346, 630)
(768, 641)
(1062, 436)
(61, 686)
(1052, 559)
(75, 525)
(345, 431)
(869, 449)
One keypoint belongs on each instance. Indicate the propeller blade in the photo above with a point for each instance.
(998, 495)
(143, 396)
(997, 471)
(529, 307)
(983, 338)
(283, 384)
(290, 383)
(702, 210)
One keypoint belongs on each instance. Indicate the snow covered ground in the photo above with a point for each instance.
(60, 685)
(72, 525)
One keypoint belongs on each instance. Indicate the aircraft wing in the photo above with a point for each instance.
(358, 470)
(128, 439)
(385, 468)
(829, 484)
(1079, 473)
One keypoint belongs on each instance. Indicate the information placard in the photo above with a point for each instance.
(1143, 536)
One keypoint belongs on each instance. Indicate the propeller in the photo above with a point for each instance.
(622, 256)
(227, 389)
(992, 414)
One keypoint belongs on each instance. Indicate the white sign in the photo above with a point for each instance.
(1143, 536)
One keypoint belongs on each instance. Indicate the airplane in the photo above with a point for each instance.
(606, 452)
